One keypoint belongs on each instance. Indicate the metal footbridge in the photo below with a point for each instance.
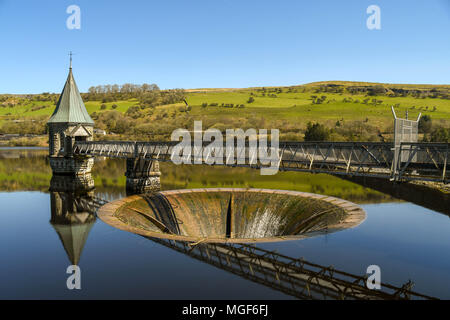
(405, 161)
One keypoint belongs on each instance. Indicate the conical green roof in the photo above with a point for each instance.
(70, 107)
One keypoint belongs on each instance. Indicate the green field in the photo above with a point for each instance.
(298, 106)
(26, 110)
(286, 108)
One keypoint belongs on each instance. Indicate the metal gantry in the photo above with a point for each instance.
(407, 161)
(295, 277)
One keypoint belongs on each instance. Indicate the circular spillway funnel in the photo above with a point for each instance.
(231, 215)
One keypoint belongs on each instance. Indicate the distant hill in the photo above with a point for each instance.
(351, 110)
(387, 85)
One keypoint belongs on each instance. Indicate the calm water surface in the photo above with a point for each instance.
(407, 241)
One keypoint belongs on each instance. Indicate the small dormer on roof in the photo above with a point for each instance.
(70, 108)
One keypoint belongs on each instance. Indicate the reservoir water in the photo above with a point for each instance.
(407, 241)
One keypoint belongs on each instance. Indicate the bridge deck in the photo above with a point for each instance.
(409, 161)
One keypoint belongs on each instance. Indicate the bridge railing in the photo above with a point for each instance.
(410, 161)
(424, 159)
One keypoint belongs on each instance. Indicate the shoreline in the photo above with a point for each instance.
(40, 142)
(17, 140)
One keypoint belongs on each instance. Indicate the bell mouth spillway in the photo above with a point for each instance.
(231, 215)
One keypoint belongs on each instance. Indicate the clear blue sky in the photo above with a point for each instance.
(221, 43)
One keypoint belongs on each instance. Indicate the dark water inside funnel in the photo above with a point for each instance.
(407, 241)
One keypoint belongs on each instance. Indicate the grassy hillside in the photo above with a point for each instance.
(352, 110)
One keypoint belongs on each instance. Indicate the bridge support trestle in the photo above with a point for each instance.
(71, 165)
(143, 176)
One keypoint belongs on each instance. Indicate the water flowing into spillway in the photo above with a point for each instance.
(231, 215)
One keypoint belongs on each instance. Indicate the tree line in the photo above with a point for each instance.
(148, 95)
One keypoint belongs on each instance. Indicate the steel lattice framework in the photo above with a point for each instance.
(89, 204)
(295, 277)
(407, 161)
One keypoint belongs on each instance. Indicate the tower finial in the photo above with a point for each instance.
(70, 54)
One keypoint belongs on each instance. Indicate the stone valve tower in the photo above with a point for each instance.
(70, 122)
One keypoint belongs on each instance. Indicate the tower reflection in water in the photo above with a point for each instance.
(72, 212)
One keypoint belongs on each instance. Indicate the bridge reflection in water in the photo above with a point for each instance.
(295, 277)
(73, 213)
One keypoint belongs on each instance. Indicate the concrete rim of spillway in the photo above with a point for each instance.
(353, 216)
